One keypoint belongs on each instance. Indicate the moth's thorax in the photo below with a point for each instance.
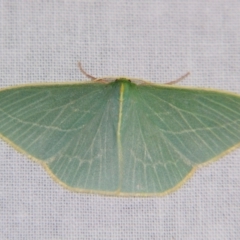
(124, 85)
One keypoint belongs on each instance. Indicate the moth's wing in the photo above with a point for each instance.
(71, 129)
(168, 132)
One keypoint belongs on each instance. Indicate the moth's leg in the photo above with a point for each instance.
(178, 80)
(85, 73)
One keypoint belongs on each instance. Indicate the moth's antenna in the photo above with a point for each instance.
(86, 74)
(178, 80)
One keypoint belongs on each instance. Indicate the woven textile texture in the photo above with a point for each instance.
(156, 40)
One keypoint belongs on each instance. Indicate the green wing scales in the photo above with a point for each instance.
(120, 138)
(169, 131)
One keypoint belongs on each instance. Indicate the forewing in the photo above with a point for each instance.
(169, 131)
(69, 128)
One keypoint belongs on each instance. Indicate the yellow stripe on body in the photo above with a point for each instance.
(119, 143)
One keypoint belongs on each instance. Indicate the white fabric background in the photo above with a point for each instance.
(41, 41)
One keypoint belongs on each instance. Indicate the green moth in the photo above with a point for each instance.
(120, 136)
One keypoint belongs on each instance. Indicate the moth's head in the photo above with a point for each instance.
(123, 80)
